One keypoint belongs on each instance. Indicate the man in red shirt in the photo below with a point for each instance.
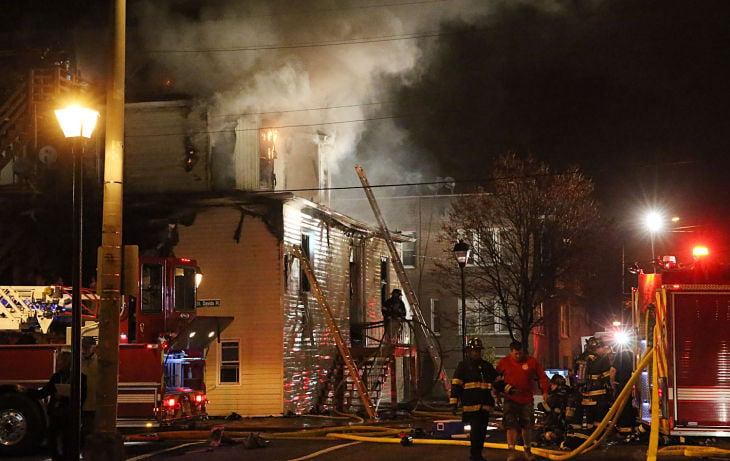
(518, 371)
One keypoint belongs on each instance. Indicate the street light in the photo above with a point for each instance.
(461, 253)
(654, 222)
(77, 123)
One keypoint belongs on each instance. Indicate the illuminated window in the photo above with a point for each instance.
(230, 364)
(540, 314)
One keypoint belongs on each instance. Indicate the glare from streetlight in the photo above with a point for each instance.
(77, 121)
(654, 222)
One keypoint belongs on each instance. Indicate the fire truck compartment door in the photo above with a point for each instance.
(200, 332)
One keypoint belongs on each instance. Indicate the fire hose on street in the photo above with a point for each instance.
(374, 433)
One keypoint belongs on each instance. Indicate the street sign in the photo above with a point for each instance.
(208, 303)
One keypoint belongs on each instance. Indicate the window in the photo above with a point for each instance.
(303, 280)
(408, 251)
(230, 364)
(435, 316)
(540, 314)
(152, 278)
(184, 289)
(481, 321)
(564, 321)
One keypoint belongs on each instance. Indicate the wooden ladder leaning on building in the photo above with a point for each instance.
(332, 325)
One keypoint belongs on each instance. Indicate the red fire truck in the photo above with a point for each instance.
(161, 352)
(690, 305)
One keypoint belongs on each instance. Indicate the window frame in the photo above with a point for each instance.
(221, 362)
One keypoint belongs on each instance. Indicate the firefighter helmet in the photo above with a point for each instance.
(474, 344)
(558, 380)
(593, 343)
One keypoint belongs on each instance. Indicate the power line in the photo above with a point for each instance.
(385, 38)
(288, 111)
(300, 125)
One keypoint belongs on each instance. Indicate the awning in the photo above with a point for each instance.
(200, 332)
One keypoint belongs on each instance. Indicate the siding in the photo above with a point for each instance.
(247, 278)
(154, 150)
(309, 346)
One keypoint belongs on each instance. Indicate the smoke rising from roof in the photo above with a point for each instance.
(276, 59)
(629, 90)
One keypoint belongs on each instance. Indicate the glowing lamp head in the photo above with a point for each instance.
(654, 221)
(77, 121)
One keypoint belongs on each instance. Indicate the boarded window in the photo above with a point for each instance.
(230, 364)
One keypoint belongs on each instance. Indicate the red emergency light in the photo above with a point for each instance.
(199, 398)
(700, 251)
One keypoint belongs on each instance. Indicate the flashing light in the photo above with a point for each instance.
(185, 260)
(149, 424)
(151, 346)
(621, 338)
(192, 334)
(123, 338)
(211, 334)
(700, 251)
(198, 279)
(170, 403)
(199, 398)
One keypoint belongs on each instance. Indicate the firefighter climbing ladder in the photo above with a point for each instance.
(433, 348)
(332, 325)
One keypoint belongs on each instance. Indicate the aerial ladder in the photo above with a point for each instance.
(22, 306)
(431, 345)
(332, 325)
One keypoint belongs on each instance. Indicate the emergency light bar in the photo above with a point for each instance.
(700, 251)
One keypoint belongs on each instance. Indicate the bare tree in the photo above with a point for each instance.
(528, 234)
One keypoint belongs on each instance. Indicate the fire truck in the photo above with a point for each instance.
(690, 307)
(161, 353)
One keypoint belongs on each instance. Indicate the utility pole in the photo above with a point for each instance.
(105, 443)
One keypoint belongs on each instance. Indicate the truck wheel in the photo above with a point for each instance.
(21, 425)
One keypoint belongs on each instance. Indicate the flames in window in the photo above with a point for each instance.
(267, 146)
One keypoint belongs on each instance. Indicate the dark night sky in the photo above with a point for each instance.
(633, 92)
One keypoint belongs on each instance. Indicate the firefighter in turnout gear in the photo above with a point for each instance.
(394, 314)
(597, 382)
(472, 387)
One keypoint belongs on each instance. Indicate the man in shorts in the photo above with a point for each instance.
(518, 371)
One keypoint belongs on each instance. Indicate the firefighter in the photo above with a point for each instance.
(394, 313)
(596, 383)
(554, 423)
(59, 406)
(472, 387)
(621, 370)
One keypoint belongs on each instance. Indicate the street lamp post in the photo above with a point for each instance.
(77, 123)
(461, 253)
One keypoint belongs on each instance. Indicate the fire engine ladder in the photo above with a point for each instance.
(20, 304)
(332, 325)
(431, 344)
